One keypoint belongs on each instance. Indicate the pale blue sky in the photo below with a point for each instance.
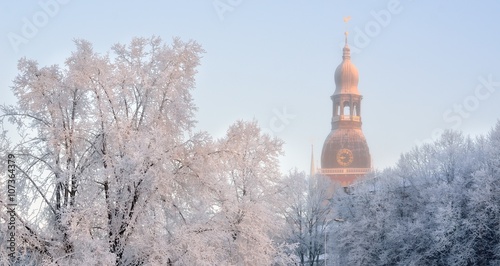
(265, 57)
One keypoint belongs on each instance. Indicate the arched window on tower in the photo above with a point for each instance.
(337, 111)
(347, 109)
(355, 109)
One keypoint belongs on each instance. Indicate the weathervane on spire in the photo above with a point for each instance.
(346, 19)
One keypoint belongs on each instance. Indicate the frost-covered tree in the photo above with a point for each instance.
(110, 171)
(99, 139)
(438, 206)
(240, 189)
(309, 215)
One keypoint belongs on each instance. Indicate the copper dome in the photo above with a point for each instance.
(345, 140)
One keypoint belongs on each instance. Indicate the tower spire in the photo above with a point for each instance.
(346, 50)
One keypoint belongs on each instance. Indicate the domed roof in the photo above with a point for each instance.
(346, 75)
(345, 148)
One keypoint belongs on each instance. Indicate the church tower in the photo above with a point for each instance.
(345, 155)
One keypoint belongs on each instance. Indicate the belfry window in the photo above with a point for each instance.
(347, 108)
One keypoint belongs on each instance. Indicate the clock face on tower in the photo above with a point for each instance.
(344, 157)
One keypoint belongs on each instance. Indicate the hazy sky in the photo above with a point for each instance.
(424, 66)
